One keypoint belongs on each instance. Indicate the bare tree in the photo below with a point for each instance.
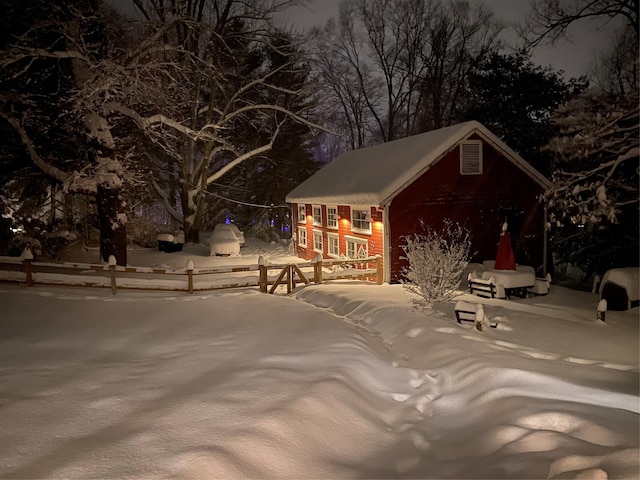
(398, 67)
(192, 92)
(617, 70)
(232, 96)
(550, 19)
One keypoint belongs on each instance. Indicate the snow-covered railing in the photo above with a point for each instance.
(189, 279)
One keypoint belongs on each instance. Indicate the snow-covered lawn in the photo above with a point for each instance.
(340, 380)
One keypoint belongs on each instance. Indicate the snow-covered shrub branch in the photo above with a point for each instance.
(437, 259)
(594, 204)
(596, 155)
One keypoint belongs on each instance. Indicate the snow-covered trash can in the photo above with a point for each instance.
(170, 243)
(620, 288)
(223, 242)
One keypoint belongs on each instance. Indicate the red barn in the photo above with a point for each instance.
(366, 201)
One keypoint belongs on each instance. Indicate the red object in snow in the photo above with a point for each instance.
(505, 260)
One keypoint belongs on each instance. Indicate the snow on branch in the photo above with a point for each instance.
(46, 167)
(241, 158)
(597, 154)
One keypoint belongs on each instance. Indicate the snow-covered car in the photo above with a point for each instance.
(223, 242)
(230, 226)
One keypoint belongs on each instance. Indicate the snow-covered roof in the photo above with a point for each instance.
(374, 175)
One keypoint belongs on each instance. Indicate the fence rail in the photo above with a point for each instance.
(264, 275)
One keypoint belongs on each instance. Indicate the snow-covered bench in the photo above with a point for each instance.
(473, 312)
(481, 287)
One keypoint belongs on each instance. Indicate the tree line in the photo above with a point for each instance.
(215, 108)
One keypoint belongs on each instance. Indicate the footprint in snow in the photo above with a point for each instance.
(423, 405)
(414, 332)
(420, 377)
(420, 442)
(406, 464)
(400, 397)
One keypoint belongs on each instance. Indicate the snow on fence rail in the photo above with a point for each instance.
(267, 276)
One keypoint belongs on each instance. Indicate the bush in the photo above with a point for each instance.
(265, 232)
(437, 259)
(21, 241)
(142, 231)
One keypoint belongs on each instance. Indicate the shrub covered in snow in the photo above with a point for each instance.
(141, 231)
(437, 260)
(55, 243)
(19, 242)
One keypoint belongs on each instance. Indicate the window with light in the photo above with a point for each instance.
(317, 241)
(332, 217)
(302, 236)
(357, 248)
(361, 220)
(302, 213)
(333, 245)
(317, 215)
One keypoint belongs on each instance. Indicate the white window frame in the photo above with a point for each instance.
(357, 241)
(469, 165)
(317, 235)
(330, 252)
(302, 236)
(318, 209)
(332, 219)
(359, 221)
(302, 213)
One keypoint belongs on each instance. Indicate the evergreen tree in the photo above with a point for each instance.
(516, 100)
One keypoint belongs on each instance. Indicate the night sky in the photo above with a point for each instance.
(575, 57)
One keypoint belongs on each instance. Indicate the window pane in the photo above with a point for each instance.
(332, 217)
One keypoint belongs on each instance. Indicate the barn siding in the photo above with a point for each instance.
(477, 202)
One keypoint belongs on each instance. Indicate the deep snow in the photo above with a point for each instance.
(340, 380)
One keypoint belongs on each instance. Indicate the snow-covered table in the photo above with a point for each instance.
(515, 282)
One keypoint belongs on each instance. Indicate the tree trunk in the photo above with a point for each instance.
(113, 232)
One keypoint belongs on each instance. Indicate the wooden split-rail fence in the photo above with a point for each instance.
(265, 275)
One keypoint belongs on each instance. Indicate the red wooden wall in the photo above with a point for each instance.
(478, 202)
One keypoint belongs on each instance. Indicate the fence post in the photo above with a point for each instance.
(317, 268)
(601, 310)
(112, 267)
(262, 279)
(379, 270)
(289, 278)
(27, 258)
(190, 275)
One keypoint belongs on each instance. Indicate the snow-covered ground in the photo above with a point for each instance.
(339, 380)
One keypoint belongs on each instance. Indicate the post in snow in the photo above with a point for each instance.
(601, 310)
(112, 267)
(262, 267)
(27, 258)
(190, 276)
